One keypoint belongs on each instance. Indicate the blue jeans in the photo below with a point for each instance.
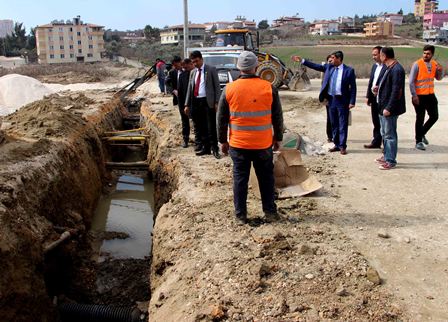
(161, 84)
(264, 169)
(390, 137)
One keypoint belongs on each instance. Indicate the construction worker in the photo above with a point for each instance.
(421, 83)
(251, 108)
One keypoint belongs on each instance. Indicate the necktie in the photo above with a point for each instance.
(334, 79)
(198, 83)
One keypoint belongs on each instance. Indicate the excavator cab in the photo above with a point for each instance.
(235, 38)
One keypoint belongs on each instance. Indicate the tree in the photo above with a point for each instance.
(400, 12)
(263, 24)
(31, 39)
(151, 33)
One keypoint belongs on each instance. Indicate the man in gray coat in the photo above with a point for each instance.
(202, 102)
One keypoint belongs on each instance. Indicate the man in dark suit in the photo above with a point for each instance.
(339, 89)
(376, 74)
(202, 97)
(182, 87)
(391, 104)
(173, 77)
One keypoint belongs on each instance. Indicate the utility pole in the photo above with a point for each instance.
(185, 28)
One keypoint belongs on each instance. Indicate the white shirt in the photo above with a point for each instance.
(378, 69)
(340, 71)
(201, 92)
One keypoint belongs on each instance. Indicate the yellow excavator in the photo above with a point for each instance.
(270, 67)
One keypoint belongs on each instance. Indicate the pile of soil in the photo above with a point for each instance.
(53, 116)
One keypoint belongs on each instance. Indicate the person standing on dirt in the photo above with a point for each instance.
(339, 89)
(377, 72)
(160, 70)
(203, 96)
(174, 82)
(421, 83)
(329, 129)
(391, 104)
(250, 108)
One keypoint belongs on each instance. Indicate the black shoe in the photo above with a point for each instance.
(185, 145)
(241, 219)
(203, 152)
(334, 149)
(216, 154)
(271, 217)
(198, 148)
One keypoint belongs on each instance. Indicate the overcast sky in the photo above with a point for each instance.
(135, 14)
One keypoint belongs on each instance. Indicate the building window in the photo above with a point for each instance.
(62, 56)
(72, 55)
(71, 29)
(89, 55)
(61, 38)
(79, 42)
(60, 29)
(71, 46)
(51, 47)
(79, 33)
(50, 30)
(91, 46)
(51, 56)
(61, 47)
(71, 38)
(80, 51)
(50, 38)
(90, 37)
(87, 29)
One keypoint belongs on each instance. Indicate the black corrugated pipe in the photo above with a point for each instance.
(74, 312)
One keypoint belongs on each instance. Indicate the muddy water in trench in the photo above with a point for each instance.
(129, 209)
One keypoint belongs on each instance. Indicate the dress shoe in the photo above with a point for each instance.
(185, 145)
(241, 219)
(424, 140)
(372, 146)
(334, 149)
(203, 152)
(198, 148)
(343, 151)
(216, 154)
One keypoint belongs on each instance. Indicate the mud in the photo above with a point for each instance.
(205, 267)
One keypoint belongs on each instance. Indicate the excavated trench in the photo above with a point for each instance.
(76, 217)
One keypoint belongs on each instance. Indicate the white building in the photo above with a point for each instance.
(6, 28)
(395, 19)
(69, 42)
(173, 35)
(324, 28)
(349, 21)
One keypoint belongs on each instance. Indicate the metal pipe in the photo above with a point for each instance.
(74, 312)
(64, 236)
(186, 28)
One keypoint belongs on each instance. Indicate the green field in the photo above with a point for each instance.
(358, 57)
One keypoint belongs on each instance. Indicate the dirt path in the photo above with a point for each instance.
(408, 203)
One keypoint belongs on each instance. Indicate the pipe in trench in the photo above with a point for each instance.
(74, 312)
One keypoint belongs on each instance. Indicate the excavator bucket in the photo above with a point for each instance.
(300, 80)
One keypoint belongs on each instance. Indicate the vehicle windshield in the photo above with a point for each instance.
(221, 61)
(229, 40)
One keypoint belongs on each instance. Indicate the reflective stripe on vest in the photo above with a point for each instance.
(250, 104)
(424, 84)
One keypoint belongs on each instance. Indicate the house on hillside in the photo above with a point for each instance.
(436, 35)
(423, 7)
(435, 20)
(174, 35)
(395, 18)
(379, 29)
(324, 28)
(69, 42)
(284, 21)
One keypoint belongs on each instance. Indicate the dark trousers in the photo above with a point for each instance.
(185, 124)
(427, 103)
(204, 122)
(329, 128)
(377, 138)
(264, 169)
(339, 121)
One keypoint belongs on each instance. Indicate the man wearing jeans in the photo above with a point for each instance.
(391, 104)
(250, 107)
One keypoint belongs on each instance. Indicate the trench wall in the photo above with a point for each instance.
(55, 182)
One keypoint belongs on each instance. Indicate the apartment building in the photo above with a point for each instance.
(394, 18)
(6, 28)
(69, 42)
(435, 20)
(380, 29)
(284, 21)
(422, 7)
(173, 35)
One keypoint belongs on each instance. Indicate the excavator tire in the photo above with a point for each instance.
(269, 71)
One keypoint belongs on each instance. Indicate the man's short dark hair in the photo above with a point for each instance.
(431, 48)
(388, 52)
(176, 59)
(187, 61)
(378, 48)
(196, 54)
(338, 54)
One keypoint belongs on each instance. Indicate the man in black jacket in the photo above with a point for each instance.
(182, 87)
(173, 77)
(377, 72)
(391, 104)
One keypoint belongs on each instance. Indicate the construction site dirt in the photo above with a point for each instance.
(368, 246)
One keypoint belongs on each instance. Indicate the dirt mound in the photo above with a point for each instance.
(53, 116)
(17, 90)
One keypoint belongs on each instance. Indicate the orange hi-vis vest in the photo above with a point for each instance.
(424, 84)
(250, 104)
